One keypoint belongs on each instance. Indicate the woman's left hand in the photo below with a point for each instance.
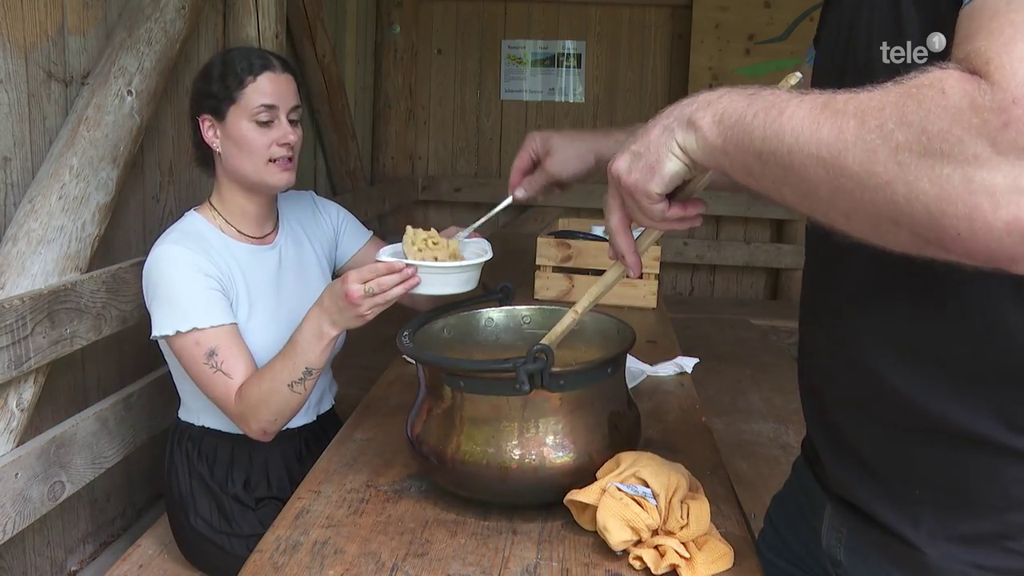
(451, 231)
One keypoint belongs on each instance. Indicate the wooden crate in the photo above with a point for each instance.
(566, 268)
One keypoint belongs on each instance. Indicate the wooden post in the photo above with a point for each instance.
(257, 23)
(327, 94)
(59, 223)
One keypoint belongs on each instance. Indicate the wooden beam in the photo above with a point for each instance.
(273, 17)
(373, 201)
(327, 94)
(256, 23)
(40, 326)
(48, 469)
(676, 248)
(535, 220)
(59, 223)
(680, 250)
(492, 191)
(763, 312)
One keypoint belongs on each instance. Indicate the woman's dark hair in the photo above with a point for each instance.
(218, 83)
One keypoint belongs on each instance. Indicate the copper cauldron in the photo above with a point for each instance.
(502, 419)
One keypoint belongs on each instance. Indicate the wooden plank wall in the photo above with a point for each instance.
(350, 24)
(637, 63)
(51, 46)
(47, 49)
(447, 122)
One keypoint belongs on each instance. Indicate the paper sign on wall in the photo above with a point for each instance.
(543, 70)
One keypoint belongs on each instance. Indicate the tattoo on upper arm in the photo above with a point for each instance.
(215, 363)
(299, 384)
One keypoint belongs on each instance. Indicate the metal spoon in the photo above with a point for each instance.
(463, 234)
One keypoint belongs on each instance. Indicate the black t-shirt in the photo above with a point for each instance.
(911, 371)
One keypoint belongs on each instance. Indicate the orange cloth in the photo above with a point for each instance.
(674, 534)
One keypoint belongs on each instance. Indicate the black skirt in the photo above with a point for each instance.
(223, 490)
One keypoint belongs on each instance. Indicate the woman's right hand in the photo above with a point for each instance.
(359, 295)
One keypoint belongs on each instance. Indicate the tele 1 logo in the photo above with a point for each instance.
(935, 43)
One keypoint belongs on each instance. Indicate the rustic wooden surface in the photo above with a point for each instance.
(366, 507)
(586, 195)
(256, 23)
(748, 384)
(351, 29)
(40, 326)
(366, 355)
(49, 58)
(155, 554)
(57, 227)
(44, 472)
(327, 97)
(762, 312)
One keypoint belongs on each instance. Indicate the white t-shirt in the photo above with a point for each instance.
(195, 276)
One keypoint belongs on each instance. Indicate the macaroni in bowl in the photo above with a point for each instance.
(429, 246)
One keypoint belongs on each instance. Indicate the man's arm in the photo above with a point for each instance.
(722, 182)
(931, 164)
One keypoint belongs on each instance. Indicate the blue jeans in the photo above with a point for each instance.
(804, 535)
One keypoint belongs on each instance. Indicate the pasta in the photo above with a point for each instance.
(429, 246)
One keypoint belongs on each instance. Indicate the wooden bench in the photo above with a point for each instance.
(153, 554)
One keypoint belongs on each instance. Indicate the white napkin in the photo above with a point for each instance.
(637, 370)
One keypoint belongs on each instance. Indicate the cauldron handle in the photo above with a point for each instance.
(504, 294)
(537, 365)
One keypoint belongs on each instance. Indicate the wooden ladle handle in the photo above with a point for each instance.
(615, 272)
(647, 239)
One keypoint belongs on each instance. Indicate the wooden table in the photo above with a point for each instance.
(365, 508)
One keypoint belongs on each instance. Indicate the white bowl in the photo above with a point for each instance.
(445, 278)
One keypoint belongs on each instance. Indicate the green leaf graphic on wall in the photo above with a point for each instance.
(759, 69)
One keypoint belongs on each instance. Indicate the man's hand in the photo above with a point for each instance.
(552, 160)
(641, 179)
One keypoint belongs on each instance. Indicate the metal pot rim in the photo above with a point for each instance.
(428, 358)
(537, 361)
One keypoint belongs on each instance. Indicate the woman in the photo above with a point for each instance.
(243, 304)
